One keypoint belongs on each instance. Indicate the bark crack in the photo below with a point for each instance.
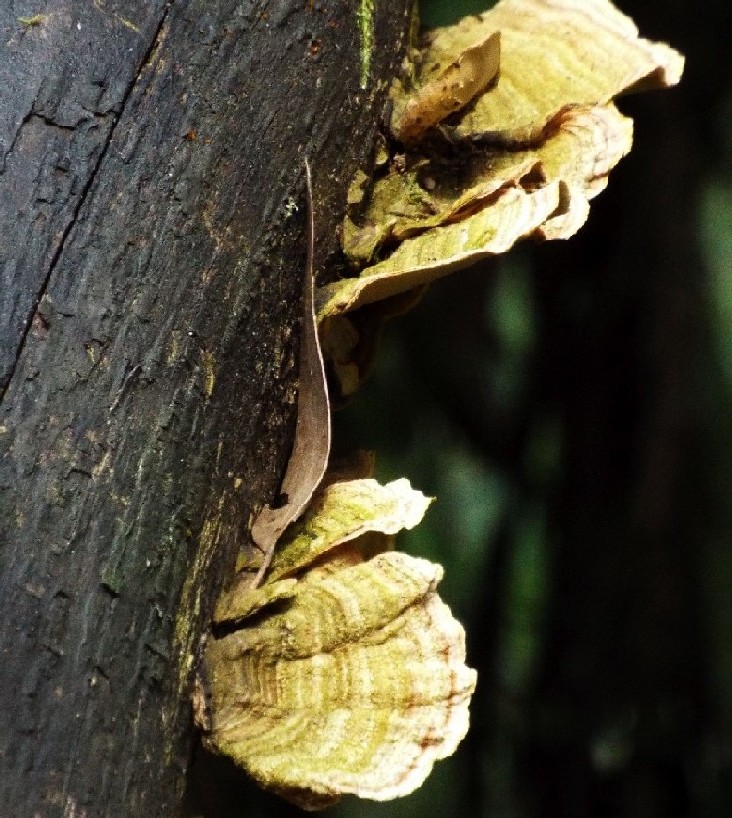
(23, 122)
(144, 62)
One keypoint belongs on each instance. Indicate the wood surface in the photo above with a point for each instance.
(153, 243)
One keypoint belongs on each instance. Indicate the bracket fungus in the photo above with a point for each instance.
(344, 673)
(505, 129)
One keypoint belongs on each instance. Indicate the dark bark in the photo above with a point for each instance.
(151, 271)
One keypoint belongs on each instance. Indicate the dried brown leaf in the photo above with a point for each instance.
(309, 457)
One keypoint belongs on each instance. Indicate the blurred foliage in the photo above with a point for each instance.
(438, 13)
(569, 407)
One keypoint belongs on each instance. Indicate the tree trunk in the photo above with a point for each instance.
(151, 261)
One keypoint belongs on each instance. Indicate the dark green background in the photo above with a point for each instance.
(569, 406)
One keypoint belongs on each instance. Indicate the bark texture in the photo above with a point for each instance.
(151, 166)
